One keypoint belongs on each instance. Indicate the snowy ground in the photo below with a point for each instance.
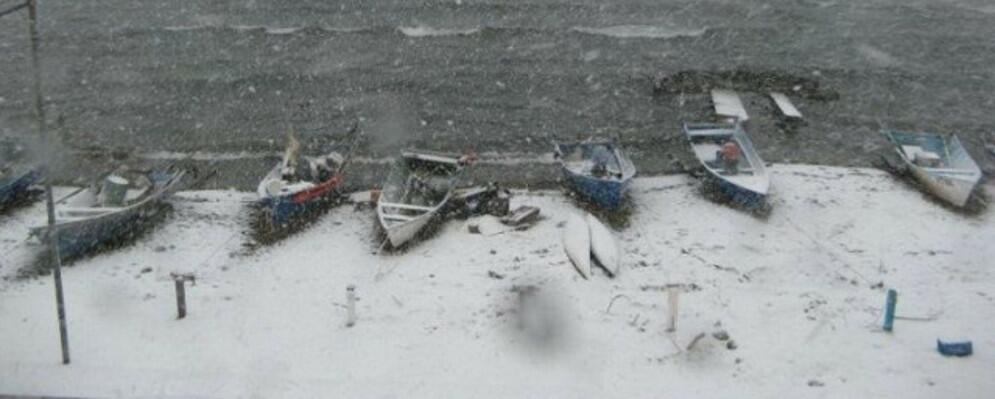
(795, 293)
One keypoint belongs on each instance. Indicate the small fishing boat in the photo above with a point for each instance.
(293, 188)
(938, 162)
(16, 177)
(597, 170)
(731, 161)
(418, 186)
(16, 183)
(111, 209)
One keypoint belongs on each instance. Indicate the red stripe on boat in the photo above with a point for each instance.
(319, 190)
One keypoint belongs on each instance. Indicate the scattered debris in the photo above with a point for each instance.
(785, 106)
(744, 80)
(960, 349)
(486, 200)
(728, 104)
(612, 302)
(695, 340)
(521, 215)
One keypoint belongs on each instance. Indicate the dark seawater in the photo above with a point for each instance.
(168, 77)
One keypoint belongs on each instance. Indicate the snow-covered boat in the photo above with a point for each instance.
(418, 186)
(16, 177)
(730, 159)
(294, 188)
(597, 170)
(110, 209)
(15, 183)
(939, 162)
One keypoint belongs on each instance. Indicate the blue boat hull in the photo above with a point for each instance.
(604, 193)
(18, 187)
(738, 195)
(76, 242)
(282, 212)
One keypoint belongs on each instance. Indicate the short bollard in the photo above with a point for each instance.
(350, 294)
(889, 310)
(179, 280)
(672, 301)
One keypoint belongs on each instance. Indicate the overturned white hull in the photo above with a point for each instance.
(604, 247)
(577, 244)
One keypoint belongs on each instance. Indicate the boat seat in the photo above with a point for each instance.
(406, 206)
(70, 213)
(398, 217)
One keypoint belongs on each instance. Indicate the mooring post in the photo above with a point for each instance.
(889, 310)
(179, 281)
(672, 301)
(350, 294)
(181, 299)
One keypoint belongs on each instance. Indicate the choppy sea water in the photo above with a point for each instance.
(497, 77)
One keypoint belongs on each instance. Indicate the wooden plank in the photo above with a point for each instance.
(784, 104)
(727, 103)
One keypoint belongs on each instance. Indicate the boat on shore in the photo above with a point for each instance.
(938, 162)
(418, 187)
(731, 161)
(113, 208)
(599, 171)
(299, 186)
(16, 177)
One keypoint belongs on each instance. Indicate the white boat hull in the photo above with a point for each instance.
(400, 234)
(603, 245)
(577, 244)
(953, 190)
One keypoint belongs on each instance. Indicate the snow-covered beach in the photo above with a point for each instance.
(799, 295)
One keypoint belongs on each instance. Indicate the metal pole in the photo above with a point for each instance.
(53, 231)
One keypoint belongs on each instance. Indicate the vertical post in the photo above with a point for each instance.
(36, 67)
(53, 232)
(350, 293)
(889, 310)
(181, 298)
(672, 301)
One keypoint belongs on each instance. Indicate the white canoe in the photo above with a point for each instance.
(604, 247)
(577, 243)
